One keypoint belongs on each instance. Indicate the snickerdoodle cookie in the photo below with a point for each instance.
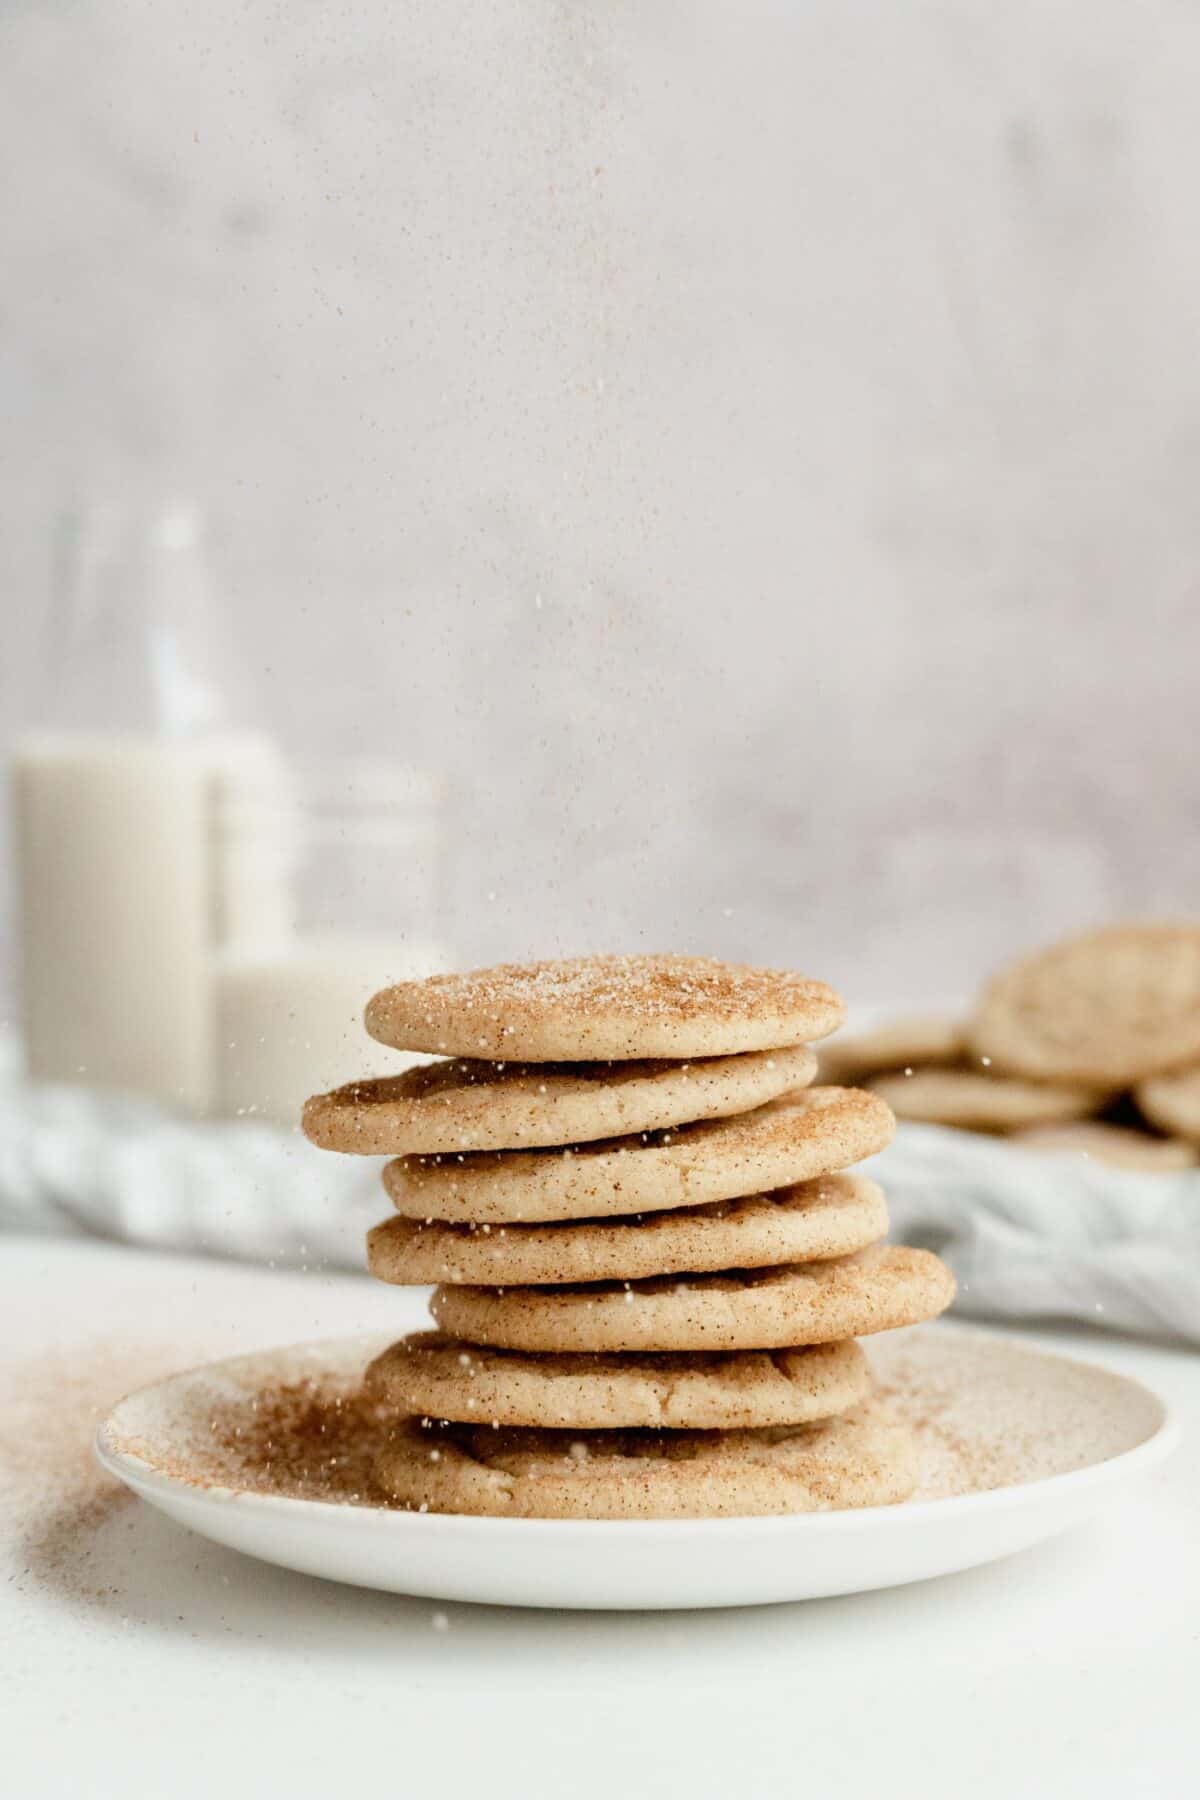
(977, 1101)
(465, 1104)
(812, 1133)
(1172, 1102)
(909, 1043)
(1116, 1145)
(593, 1008)
(1108, 1008)
(810, 1222)
(864, 1458)
(443, 1378)
(743, 1309)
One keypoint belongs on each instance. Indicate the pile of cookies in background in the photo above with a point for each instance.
(651, 1262)
(1091, 1046)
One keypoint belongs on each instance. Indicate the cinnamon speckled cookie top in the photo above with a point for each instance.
(602, 1007)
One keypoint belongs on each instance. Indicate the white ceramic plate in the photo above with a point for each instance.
(1017, 1446)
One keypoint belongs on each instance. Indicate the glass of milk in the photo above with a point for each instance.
(368, 906)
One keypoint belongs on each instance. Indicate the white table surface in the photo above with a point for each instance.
(188, 1670)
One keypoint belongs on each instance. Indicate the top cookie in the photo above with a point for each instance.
(1109, 1007)
(463, 1104)
(605, 1008)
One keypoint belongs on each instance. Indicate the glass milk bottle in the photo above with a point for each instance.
(122, 893)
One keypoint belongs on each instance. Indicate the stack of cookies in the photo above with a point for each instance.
(651, 1260)
(1090, 1046)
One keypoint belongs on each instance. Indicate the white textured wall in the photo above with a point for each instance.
(755, 449)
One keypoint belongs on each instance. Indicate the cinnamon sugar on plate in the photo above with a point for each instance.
(295, 1423)
(315, 1438)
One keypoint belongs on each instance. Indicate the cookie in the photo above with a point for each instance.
(469, 1105)
(817, 1131)
(744, 1309)
(979, 1102)
(1117, 1145)
(596, 1008)
(443, 1378)
(911, 1043)
(1172, 1102)
(811, 1222)
(865, 1458)
(1108, 1008)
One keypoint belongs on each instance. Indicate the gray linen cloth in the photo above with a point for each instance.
(1035, 1235)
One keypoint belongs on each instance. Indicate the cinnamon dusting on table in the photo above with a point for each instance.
(55, 1500)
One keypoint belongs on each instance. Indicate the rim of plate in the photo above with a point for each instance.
(128, 1466)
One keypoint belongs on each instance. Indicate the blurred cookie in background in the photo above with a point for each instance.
(1118, 1146)
(1108, 1008)
(1091, 1045)
(894, 1047)
(977, 1100)
(1172, 1102)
